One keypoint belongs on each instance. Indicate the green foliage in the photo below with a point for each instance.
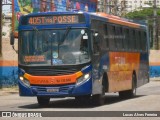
(142, 14)
(145, 14)
(2, 19)
(4, 33)
(16, 24)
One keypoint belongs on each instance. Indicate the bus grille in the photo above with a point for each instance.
(51, 72)
(64, 89)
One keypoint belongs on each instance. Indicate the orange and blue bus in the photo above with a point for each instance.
(82, 55)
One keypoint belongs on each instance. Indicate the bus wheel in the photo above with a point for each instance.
(83, 99)
(98, 99)
(129, 93)
(42, 101)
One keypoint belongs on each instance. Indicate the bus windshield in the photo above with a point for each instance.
(54, 47)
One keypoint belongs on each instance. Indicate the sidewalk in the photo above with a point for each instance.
(8, 91)
(155, 79)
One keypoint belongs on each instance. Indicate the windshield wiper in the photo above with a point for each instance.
(64, 37)
(65, 34)
(34, 37)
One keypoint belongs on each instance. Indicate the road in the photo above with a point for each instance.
(147, 99)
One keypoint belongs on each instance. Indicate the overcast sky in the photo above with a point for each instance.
(6, 8)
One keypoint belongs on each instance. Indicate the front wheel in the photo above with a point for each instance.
(98, 99)
(129, 93)
(42, 101)
(83, 99)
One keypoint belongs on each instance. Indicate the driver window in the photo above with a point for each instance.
(96, 44)
(83, 44)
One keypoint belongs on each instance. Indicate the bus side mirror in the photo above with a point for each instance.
(12, 39)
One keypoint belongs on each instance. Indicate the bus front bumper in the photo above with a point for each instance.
(84, 88)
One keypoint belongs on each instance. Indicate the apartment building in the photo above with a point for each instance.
(109, 6)
(132, 5)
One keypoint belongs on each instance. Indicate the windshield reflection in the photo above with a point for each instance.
(50, 47)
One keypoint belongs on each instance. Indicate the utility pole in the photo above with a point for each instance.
(155, 40)
(113, 5)
(1, 28)
(122, 8)
(116, 7)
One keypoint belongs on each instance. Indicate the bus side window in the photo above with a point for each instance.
(96, 43)
(122, 37)
(126, 39)
(105, 43)
(132, 40)
(144, 41)
(83, 44)
(112, 44)
(118, 38)
(102, 35)
(138, 43)
(140, 40)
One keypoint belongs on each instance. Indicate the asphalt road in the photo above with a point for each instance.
(147, 99)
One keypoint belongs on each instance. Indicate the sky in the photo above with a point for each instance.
(6, 8)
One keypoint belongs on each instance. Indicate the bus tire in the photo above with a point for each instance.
(42, 101)
(129, 93)
(83, 99)
(105, 83)
(98, 99)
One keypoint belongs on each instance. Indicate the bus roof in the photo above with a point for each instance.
(119, 20)
(98, 15)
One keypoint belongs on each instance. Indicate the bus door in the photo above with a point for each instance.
(96, 54)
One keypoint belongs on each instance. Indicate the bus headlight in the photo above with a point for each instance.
(25, 81)
(83, 78)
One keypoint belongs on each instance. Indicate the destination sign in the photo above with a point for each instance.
(56, 19)
(40, 58)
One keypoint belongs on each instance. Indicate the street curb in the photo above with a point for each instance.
(9, 91)
(155, 79)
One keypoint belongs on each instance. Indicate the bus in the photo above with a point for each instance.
(82, 55)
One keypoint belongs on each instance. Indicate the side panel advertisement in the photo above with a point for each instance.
(24, 7)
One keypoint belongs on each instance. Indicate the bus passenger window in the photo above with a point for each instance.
(118, 38)
(102, 28)
(96, 44)
(126, 39)
(105, 43)
(111, 35)
(132, 40)
(144, 41)
(138, 41)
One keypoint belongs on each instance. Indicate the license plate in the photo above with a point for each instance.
(53, 90)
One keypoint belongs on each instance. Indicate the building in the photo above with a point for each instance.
(132, 5)
(107, 6)
(120, 7)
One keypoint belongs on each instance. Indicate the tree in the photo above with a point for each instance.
(145, 14)
(142, 14)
